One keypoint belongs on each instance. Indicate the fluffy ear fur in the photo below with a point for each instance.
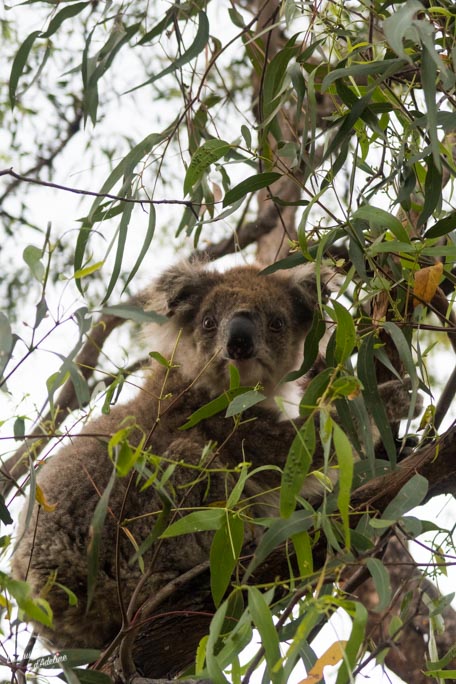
(303, 280)
(180, 289)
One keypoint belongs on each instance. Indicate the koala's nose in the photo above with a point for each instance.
(241, 335)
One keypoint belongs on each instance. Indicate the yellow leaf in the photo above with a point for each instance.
(330, 657)
(88, 270)
(426, 283)
(41, 499)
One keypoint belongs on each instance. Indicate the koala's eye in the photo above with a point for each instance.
(276, 324)
(209, 323)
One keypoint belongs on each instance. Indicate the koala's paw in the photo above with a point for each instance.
(397, 398)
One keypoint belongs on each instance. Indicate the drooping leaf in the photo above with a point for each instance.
(428, 80)
(279, 531)
(296, 467)
(121, 242)
(262, 619)
(133, 313)
(198, 45)
(432, 190)
(345, 460)
(144, 247)
(381, 219)
(442, 227)
(32, 256)
(382, 583)
(345, 333)
(85, 676)
(411, 495)
(251, 184)
(398, 25)
(35, 608)
(198, 521)
(243, 402)
(95, 533)
(359, 616)
(374, 405)
(426, 283)
(207, 154)
(225, 550)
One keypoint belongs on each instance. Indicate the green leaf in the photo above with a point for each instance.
(32, 256)
(66, 13)
(411, 495)
(296, 467)
(6, 342)
(428, 80)
(345, 333)
(121, 242)
(432, 190)
(381, 219)
(251, 184)
(442, 227)
(345, 460)
(374, 404)
(160, 359)
(262, 619)
(398, 25)
(279, 531)
(273, 83)
(19, 63)
(133, 313)
(95, 534)
(303, 549)
(214, 669)
(198, 45)
(35, 608)
(124, 168)
(243, 402)
(5, 516)
(158, 528)
(207, 411)
(161, 27)
(361, 71)
(198, 521)
(224, 555)
(246, 134)
(382, 583)
(207, 154)
(359, 620)
(311, 346)
(145, 245)
(314, 392)
(86, 677)
(72, 657)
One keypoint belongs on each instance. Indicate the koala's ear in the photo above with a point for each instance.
(182, 288)
(303, 282)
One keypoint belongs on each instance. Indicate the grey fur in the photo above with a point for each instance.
(200, 304)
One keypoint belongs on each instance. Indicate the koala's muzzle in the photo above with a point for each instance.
(241, 338)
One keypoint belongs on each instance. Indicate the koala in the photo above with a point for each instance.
(253, 322)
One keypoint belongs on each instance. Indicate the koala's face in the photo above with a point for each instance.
(254, 322)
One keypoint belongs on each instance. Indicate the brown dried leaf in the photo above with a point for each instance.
(41, 499)
(330, 657)
(426, 283)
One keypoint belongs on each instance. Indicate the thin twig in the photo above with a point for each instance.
(91, 193)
